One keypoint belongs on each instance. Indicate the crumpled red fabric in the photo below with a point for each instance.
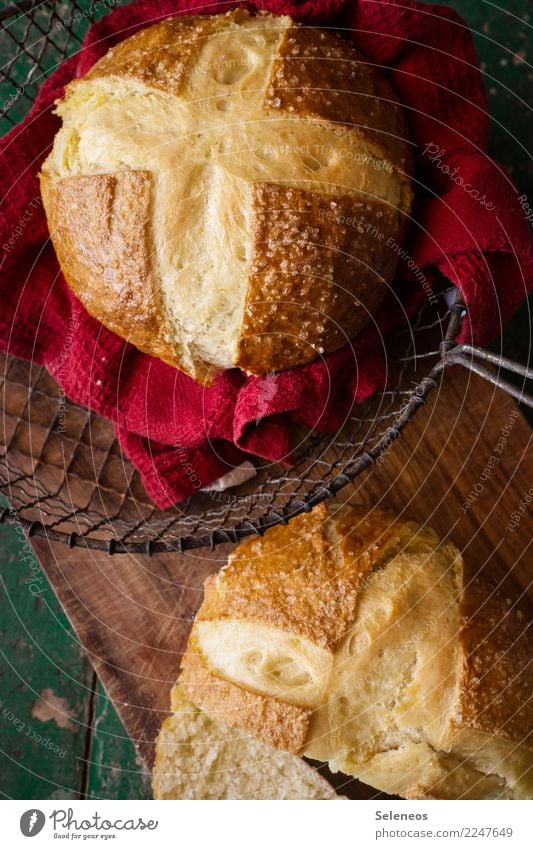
(467, 222)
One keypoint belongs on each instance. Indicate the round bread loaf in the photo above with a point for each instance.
(230, 191)
(358, 640)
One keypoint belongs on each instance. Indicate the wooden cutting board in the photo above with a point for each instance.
(463, 466)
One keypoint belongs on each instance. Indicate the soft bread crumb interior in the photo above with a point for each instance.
(395, 676)
(389, 719)
(266, 660)
(201, 758)
(205, 149)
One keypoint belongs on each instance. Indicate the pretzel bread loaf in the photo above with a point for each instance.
(357, 640)
(230, 191)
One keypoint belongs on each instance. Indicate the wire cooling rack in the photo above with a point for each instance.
(62, 473)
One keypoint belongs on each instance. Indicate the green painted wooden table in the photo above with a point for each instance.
(60, 736)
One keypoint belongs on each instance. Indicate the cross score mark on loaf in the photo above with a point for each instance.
(222, 157)
(358, 640)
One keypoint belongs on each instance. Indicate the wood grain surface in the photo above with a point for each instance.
(462, 466)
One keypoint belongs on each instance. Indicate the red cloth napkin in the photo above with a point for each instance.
(467, 221)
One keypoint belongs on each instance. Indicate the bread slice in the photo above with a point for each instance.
(407, 675)
(198, 757)
(275, 722)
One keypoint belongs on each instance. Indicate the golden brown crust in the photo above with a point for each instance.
(321, 263)
(367, 540)
(293, 579)
(158, 56)
(466, 687)
(497, 676)
(198, 757)
(319, 74)
(99, 225)
(320, 267)
(276, 723)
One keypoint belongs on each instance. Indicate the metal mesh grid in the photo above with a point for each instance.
(68, 479)
(34, 38)
(66, 475)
